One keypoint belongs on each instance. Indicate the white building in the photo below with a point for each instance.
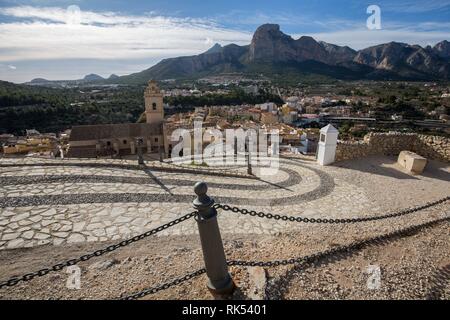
(268, 106)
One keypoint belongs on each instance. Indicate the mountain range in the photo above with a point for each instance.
(272, 53)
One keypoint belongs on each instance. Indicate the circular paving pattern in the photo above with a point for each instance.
(57, 202)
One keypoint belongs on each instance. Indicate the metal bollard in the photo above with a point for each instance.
(160, 154)
(219, 279)
(139, 148)
(249, 164)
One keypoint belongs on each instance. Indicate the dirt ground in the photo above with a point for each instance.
(414, 264)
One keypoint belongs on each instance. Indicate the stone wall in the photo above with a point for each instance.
(433, 147)
(392, 143)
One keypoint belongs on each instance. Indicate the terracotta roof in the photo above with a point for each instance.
(112, 131)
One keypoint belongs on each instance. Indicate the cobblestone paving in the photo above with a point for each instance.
(57, 202)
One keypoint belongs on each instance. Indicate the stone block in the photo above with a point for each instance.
(412, 162)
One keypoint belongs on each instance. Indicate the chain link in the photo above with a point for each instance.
(312, 258)
(309, 259)
(254, 213)
(276, 263)
(304, 259)
(58, 267)
(164, 286)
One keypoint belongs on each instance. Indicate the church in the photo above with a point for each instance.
(122, 140)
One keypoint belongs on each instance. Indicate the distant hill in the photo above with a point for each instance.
(88, 79)
(273, 53)
(39, 81)
(93, 77)
(225, 60)
(49, 109)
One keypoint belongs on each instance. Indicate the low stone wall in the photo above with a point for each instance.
(347, 150)
(433, 147)
(392, 143)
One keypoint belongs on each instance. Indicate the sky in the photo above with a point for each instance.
(62, 40)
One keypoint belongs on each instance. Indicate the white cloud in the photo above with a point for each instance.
(42, 33)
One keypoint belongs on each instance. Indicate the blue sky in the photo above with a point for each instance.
(68, 39)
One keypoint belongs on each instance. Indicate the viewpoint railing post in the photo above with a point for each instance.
(249, 164)
(219, 279)
(160, 153)
(139, 143)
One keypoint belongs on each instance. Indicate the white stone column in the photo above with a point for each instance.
(327, 145)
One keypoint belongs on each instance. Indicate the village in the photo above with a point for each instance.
(298, 120)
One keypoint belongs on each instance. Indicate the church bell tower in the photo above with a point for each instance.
(154, 111)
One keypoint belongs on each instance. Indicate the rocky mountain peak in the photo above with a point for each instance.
(442, 49)
(268, 28)
(214, 49)
(307, 40)
(270, 44)
(269, 32)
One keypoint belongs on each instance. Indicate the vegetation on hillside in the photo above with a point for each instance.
(53, 110)
(236, 97)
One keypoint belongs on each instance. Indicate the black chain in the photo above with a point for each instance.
(336, 250)
(254, 213)
(164, 286)
(309, 259)
(268, 264)
(177, 281)
(275, 263)
(58, 267)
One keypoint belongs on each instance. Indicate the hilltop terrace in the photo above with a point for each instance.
(54, 209)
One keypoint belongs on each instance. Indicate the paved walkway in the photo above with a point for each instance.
(70, 201)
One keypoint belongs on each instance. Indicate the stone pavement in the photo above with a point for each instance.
(71, 201)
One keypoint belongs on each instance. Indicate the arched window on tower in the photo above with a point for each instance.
(154, 105)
